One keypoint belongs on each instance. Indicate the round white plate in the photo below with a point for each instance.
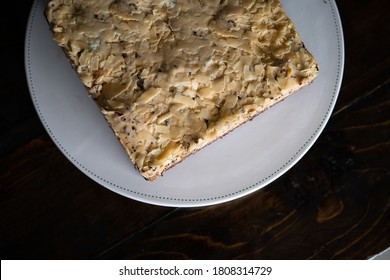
(242, 162)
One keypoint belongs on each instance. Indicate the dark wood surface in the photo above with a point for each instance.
(333, 204)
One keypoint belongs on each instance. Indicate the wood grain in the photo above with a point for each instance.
(333, 204)
(55, 210)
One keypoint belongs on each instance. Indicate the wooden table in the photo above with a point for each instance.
(333, 204)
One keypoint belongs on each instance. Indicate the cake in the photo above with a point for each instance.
(172, 76)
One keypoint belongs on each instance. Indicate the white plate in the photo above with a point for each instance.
(242, 162)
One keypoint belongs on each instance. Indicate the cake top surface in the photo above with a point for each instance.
(172, 76)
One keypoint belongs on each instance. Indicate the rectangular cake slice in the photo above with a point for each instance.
(172, 76)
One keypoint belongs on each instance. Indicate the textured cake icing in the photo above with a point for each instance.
(171, 76)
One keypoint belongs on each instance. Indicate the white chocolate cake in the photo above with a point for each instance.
(172, 76)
